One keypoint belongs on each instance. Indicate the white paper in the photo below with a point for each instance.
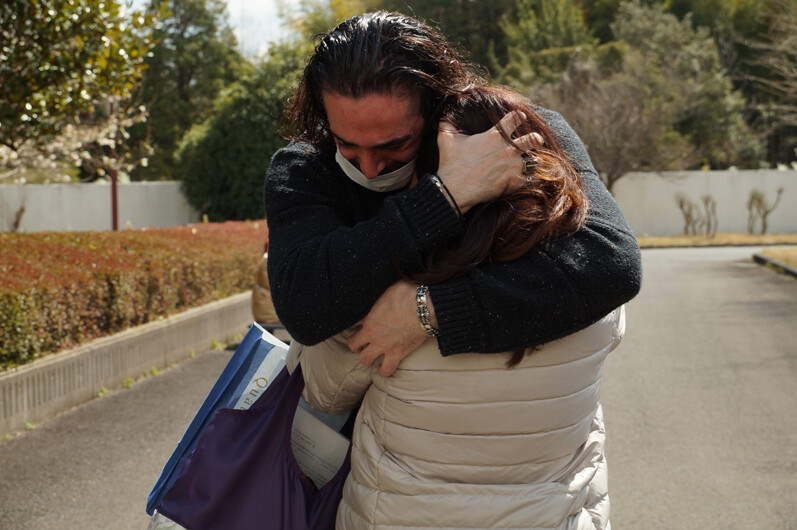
(318, 449)
(333, 421)
(265, 373)
(268, 337)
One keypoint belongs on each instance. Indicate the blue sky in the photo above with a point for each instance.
(255, 23)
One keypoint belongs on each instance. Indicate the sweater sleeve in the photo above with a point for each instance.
(556, 289)
(326, 268)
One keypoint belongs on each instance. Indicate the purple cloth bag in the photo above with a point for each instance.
(243, 474)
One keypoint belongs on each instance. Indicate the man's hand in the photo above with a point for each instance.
(391, 328)
(482, 167)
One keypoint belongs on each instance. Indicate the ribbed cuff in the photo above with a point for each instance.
(429, 215)
(456, 312)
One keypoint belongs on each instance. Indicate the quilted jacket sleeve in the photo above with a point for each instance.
(335, 380)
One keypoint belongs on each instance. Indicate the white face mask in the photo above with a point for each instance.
(395, 180)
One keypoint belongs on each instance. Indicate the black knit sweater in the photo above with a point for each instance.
(334, 247)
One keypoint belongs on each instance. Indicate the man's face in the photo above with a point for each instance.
(378, 133)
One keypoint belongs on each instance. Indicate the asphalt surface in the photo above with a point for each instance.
(93, 467)
(699, 400)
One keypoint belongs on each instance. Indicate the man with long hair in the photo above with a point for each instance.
(350, 218)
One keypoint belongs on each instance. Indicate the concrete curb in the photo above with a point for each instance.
(784, 268)
(718, 245)
(44, 388)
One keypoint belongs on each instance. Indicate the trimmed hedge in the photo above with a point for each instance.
(58, 289)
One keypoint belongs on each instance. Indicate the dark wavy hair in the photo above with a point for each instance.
(377, 52)
(553, 203)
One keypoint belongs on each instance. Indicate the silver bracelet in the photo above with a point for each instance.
(423, 311)
(444, 190)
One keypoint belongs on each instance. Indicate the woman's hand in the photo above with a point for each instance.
(483, 166)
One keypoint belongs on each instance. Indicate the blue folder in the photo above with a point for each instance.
(229, 387)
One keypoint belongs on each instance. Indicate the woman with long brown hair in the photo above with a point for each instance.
(341, 216)
(552, 202)
(509, 440)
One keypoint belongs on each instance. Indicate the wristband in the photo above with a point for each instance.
(444, 189)
(423, 311)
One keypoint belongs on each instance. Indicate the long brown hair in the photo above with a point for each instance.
(376, 53)
(553, 202)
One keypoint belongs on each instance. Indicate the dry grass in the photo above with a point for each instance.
(720, 239)
(787, 255)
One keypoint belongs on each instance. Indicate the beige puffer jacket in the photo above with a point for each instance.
(464, 442)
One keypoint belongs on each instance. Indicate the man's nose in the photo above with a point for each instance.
(371, 165)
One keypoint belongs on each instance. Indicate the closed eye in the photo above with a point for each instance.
(392, 147)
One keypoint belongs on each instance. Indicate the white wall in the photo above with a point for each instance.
(648, 199)
(79, 207)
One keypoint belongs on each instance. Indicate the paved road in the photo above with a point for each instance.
(93, 467)
(701, 396)
(700, 404)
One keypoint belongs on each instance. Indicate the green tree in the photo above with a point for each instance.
(308, 18)
(625, 122)
(750, 35)
(727, 20)
(666, 104)
(58, 58)
(195, 57)
(541, 42)
(599, 15)
(543, 25)
(223, 160)
(471, 24)
(710, 110)
(773, 70)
